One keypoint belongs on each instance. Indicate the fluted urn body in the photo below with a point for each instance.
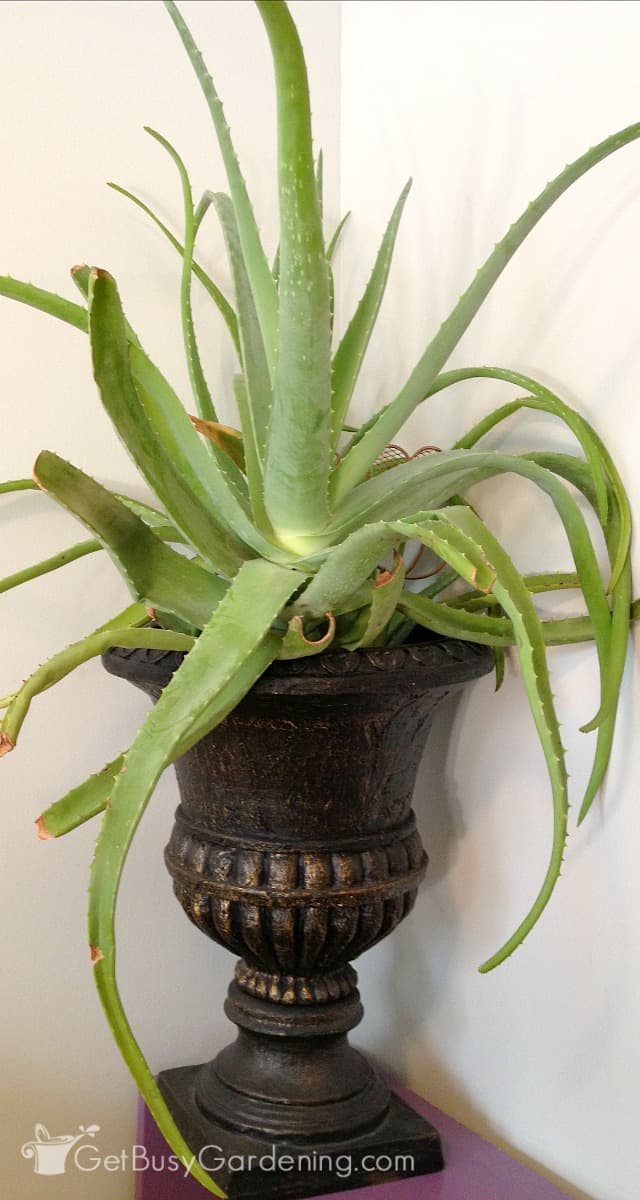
(295, 847)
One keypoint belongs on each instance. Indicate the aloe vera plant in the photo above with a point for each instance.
(298, 527)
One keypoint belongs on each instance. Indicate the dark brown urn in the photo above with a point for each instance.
(295, 847)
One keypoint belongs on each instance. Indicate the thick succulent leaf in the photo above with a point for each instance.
(46, 302)
(384, 428)
(253, 464)
(495, 631)
(553, 581)
(186, 507)
(255, 415)
(232, 651)
(541, 399)
(350, 354)
(600, 462)
(219, 484)
(349, 565)
(623, 613)
(297, 468)
(262, 283)
(192, 221)
(67, 660)
(222, 304)
(375, 618)
(297, 644)
(153, 571)
(83, 802)
(81, 278)
(516, 600)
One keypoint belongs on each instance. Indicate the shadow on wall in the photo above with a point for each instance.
(409, 973)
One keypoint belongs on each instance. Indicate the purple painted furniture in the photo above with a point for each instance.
(475, 1169)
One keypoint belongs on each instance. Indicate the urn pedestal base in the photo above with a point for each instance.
(403, 1144)
(291, 1108)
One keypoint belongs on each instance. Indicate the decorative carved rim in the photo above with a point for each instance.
(437, 661)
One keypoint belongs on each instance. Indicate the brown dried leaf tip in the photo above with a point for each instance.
(43, 832)
(96, 955)
(6, 744)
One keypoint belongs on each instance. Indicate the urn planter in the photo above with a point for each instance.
(295, 847)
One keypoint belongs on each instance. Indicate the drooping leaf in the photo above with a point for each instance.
(67, 660)
(384, 427)
(44, 301)
(80, 550)
(232, 651)
(83, 802)
(385, 595)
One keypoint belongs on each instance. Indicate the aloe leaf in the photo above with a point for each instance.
(252, 460)
(398, 488)
(46, 302)
(49, 564)
(222, 304)
(81, 278)
(623, 613)
(350, 354)
(320, 182)
(496, 631)
(350, 564)
(147, 411)
(257, 411)
(296, 644)
(385, 595)
(262, 282)
(545, 401)
(615, 669)
(297, 467)
(516, 600)
(383, 429)
(600, 461)
(219, 484)
(335, 237)
(232, 651)
(192, 221)
(553, 581)
(67, 660)
(111, 359)
(153, 571)
(83, 802)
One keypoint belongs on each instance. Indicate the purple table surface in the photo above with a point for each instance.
(475, 1170)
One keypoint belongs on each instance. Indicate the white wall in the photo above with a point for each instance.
(481, 102)
(78, 81)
